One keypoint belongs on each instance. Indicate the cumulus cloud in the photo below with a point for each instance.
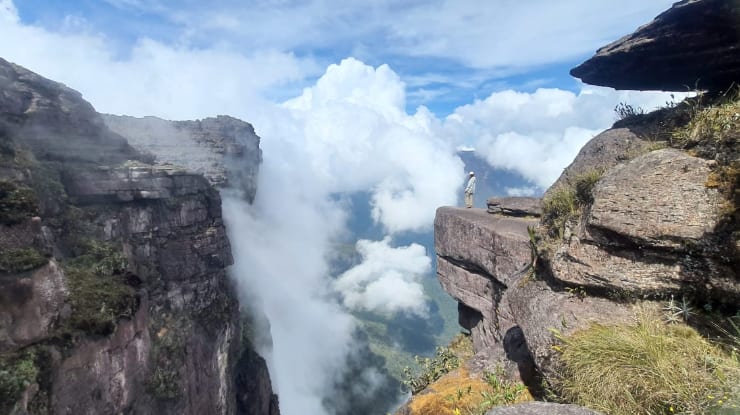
(358, 136)
(387, 280)
(538, 134)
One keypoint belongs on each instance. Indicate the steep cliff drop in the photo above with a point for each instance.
(646, 213)
(114, 292)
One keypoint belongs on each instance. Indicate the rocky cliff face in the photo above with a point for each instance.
(114, 295)
(206, 146)
(646, 222)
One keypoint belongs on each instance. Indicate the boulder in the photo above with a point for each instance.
(651, 232)
(602, 152)
(515, 206)
(693, 45)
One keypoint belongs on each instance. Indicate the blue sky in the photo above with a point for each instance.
(447, 52)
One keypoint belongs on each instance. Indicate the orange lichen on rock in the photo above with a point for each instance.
(458, 392)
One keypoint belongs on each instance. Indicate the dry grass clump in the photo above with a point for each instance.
(647, 368)
(712, 130)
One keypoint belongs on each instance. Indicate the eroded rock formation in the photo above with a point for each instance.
(693, 45)
(114, 296)
(652, 227)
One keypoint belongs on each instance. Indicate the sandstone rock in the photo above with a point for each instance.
(659, 200)
(650, 232)
(483, 261)
(693, 45)
(602, 152)
(178, 353)
(515, 206)
(30, 305)
(496, 246)
(55, 121)
(223, 149)
(541, 408)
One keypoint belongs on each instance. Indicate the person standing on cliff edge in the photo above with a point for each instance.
(470, 190)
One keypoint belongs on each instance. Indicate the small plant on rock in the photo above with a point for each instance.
(624, 111)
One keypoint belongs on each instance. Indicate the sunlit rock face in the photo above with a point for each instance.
(113, 280)
(693, 45)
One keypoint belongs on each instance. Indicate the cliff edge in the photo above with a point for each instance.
(114, 295)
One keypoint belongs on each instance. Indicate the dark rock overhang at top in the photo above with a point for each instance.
(693, 45)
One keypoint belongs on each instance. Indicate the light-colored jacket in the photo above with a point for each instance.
(470, 188)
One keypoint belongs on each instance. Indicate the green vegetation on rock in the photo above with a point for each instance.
(647, 368)
(98, 292)
(432, 368)
(20, 260)
(17, 203)
(564, 203)
(168, 352)
(16, 373)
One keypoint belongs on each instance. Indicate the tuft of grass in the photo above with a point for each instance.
(557, 208)
(624, 111)
(98, 292)
(20, 260)
(584, 186)
(17, 203)
(566, 202)
(712, 128)
(647, 368)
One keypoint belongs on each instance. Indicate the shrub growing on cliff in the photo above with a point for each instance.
(98, 292)
(20, 260)
(17, 203)
(432, 368)
(648, 368)
(16, 373)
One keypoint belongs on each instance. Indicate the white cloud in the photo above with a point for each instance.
(359, 137)
(522, 191)
(538, 134)
(8, 12)
(387, 280)
(153, 79)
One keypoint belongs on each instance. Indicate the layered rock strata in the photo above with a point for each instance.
(484, 261)
(693, 45)
(114, 292)
(223, 149)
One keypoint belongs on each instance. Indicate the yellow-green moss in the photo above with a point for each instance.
(460, 393)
